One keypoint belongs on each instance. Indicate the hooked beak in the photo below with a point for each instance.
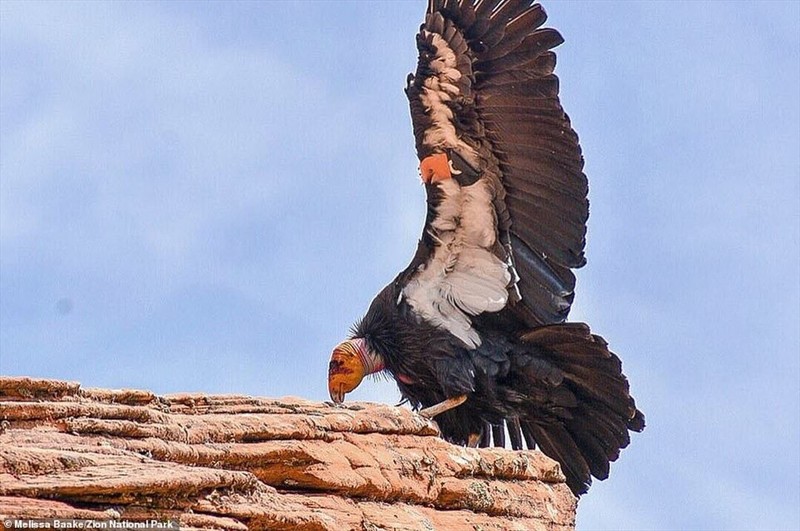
(337, 395)
(345, 371)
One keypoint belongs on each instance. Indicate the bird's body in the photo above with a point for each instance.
(479, 313)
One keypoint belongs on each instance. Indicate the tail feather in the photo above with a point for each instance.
(514, 434)
(558, 388)
(499, 435)
(486, 436)
(556, 441)
(527, 432)
(597, 454)
(586, 415)
(613, 435)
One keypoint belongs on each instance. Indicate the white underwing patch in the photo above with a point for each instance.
(463, 277)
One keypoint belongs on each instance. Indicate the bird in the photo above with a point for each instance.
(474, 331)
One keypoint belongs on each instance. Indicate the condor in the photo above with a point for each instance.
(474, 330)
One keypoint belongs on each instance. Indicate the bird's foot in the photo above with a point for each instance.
(441, 407)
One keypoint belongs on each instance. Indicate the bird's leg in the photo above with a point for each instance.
(473, 440)
(441, 407)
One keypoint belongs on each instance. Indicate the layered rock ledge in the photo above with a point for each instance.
(240, 462)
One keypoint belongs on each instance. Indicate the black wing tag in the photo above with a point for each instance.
(461, 170)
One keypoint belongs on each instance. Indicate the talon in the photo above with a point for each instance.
(435, 168)
(441, 407)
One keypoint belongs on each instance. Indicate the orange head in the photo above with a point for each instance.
(351, 360)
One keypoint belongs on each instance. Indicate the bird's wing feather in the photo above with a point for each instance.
(509, 226)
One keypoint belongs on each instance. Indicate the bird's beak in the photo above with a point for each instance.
(345, 371)
(337, 395)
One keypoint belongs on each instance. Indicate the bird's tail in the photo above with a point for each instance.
(574, 403)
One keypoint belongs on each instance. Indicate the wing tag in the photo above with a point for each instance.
(463, 172)
(443, 166)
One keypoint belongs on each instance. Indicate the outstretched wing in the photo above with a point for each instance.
(509, 224)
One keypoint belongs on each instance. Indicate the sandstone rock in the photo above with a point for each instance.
(238, 462)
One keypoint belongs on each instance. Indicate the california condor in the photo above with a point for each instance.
(474, 330)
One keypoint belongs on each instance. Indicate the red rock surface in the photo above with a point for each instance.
(239, 462)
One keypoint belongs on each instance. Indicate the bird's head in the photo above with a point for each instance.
(351, 360)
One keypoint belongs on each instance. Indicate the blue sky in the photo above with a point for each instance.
(205, 196)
